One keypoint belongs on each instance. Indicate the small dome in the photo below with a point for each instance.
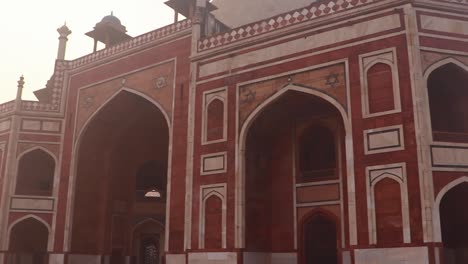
(111, 19)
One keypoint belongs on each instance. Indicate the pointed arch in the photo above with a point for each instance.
(77, 143)
(214, 121)
(147, 220)
(50, 237)
(215, 193)
(437, 231)
(148, 228)
(110, 99)
(21, 154)
(23, 171)
(444, 109)
(441, 63)
(389, 93)
(240, 159)
(212, 222)
(375, 174)
(309, 225)
(202, 221)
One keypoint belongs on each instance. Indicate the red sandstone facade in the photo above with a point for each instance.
(335, 133)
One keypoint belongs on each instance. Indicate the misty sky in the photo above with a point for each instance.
(30, 40)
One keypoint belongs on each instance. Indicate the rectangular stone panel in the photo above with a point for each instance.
(175, 258)
(213, 163)
(444, 24)
(256, 258)
(51, 126)
(449, 156)
(318, 193)
(56, 258)
(283, 258)
(32, 204)
(212, 258)
(34, 125)
(84, 259)
(5, 125)
(383, 139)
(413, 255)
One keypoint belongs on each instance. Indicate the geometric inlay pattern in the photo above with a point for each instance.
(315, 10)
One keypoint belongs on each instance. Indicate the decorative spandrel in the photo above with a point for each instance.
(330, 80)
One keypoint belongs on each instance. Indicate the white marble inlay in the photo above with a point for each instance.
(51, 126)
(443, 24)
(450, 156)
(175, 258)
(31, 125)
(5, 125)
(32, 204)
(384, 139)
(212, 258)
(213, 163)
(413, 255)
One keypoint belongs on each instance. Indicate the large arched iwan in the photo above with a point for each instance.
(127, 134)
(270, 161)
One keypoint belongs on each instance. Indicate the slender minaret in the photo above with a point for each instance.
(64, 32)
(19, 92)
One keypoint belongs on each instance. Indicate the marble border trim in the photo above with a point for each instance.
(221, 169)
(391, 146)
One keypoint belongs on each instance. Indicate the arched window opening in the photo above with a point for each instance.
(213, 222)
(151, 181)
(317, 153)
(28, 242)
(35, 174)
(215, 120)
(380, 88)
(389, 219)
(453, 221)
(320, 241)
(448, 101)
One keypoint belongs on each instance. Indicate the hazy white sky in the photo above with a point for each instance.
(29, 39)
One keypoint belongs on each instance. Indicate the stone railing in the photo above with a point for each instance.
(315, 10)
(7, 107)
(133, 43)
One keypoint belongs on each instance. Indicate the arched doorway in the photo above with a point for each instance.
(148, 241)
(453, 222)
(121, 177)
(319, 240)
(294, 146)
(28, 242)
